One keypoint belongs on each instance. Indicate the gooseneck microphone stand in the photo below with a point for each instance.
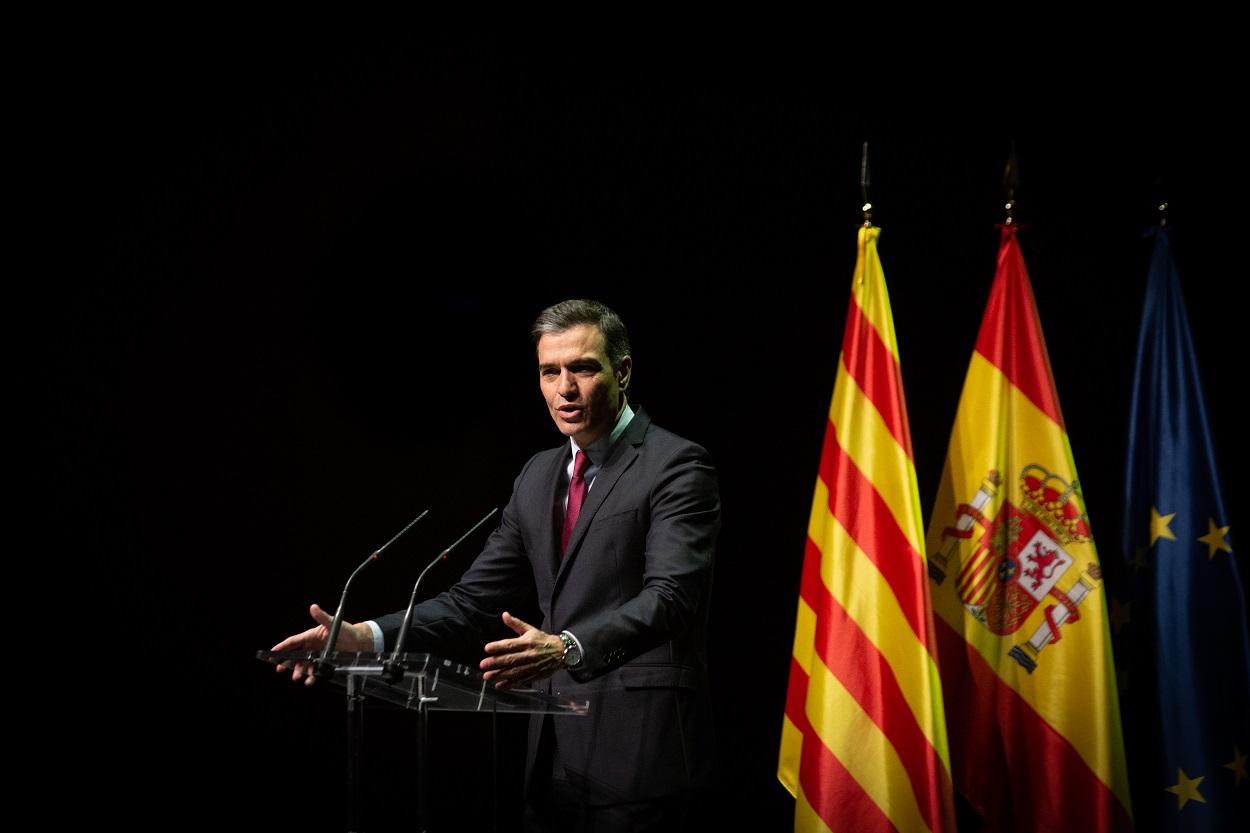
(324, 668)
(393, 672)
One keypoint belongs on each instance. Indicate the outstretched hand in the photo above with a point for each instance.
(358, 637)
(533, 654)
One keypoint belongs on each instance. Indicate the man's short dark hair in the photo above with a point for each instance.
(569, 314)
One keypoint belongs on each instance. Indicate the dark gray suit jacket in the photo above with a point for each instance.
(634, 587)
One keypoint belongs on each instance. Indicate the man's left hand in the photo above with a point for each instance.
(533, 654)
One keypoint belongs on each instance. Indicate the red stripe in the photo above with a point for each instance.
(857, 505)
(871, 364)
(1015, 769)
(796, 696)
(851, 656)
(980, 592)
(978, 581)
(974, 569)
(977, 586)
(833, 794)
(1011, 333)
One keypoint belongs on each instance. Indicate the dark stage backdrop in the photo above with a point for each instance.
(305, 320)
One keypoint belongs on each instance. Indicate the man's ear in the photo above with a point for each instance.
(622, 372)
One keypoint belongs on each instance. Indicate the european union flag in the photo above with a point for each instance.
(1181, 615)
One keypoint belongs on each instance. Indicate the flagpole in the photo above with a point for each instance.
(865, 180)
(1011, 181)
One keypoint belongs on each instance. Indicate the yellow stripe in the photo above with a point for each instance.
(804, 636)
(806, 819)
(869, 291)
(863, 435)
(853, 579)
(791, 738)
(859, 428)
(849, 733)
(1072, 688)
(791, 756)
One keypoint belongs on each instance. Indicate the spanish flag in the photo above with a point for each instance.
(863, 744)
(1018, 593)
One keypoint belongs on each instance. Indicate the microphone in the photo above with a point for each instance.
(323, 667)
(393, 669)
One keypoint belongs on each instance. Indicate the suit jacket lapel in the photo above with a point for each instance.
(620, 458)
(548, 552)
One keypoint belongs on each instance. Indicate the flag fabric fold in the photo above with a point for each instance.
(1182, 637)
(863, 739)
(1018, 592)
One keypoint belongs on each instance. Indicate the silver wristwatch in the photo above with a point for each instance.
(572, 653)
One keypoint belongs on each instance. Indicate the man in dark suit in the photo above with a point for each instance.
(613, 533)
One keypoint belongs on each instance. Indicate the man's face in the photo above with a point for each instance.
(582, 390)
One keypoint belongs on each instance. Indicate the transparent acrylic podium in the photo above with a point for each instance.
(428, 683)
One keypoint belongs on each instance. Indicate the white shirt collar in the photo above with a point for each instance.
(597, 450)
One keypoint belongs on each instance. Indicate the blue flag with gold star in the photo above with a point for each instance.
(1181, 611)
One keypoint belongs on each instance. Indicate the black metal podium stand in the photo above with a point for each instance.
(430, 683)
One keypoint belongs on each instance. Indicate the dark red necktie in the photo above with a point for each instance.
(577, 494)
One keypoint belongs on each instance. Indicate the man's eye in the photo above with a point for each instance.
(549, 371)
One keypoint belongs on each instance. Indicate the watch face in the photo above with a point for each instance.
(572, 655)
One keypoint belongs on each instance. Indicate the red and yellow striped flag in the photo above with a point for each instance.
(863, 744)
(1021, 613)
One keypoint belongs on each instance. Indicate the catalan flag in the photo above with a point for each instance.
(863, 743)
(1181, 611)
(1018, 594)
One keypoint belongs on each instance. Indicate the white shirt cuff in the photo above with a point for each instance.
(378, 646)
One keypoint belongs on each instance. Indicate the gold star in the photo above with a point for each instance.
(1238, 766)
(1186, 788)
(1159, 526)
(1120, 615)
(1214, 539)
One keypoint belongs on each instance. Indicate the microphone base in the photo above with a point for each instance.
(392, 671)
(324, 669)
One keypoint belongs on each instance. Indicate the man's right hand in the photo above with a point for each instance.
(358, 637)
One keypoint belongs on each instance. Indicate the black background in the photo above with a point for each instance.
(302, 317)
